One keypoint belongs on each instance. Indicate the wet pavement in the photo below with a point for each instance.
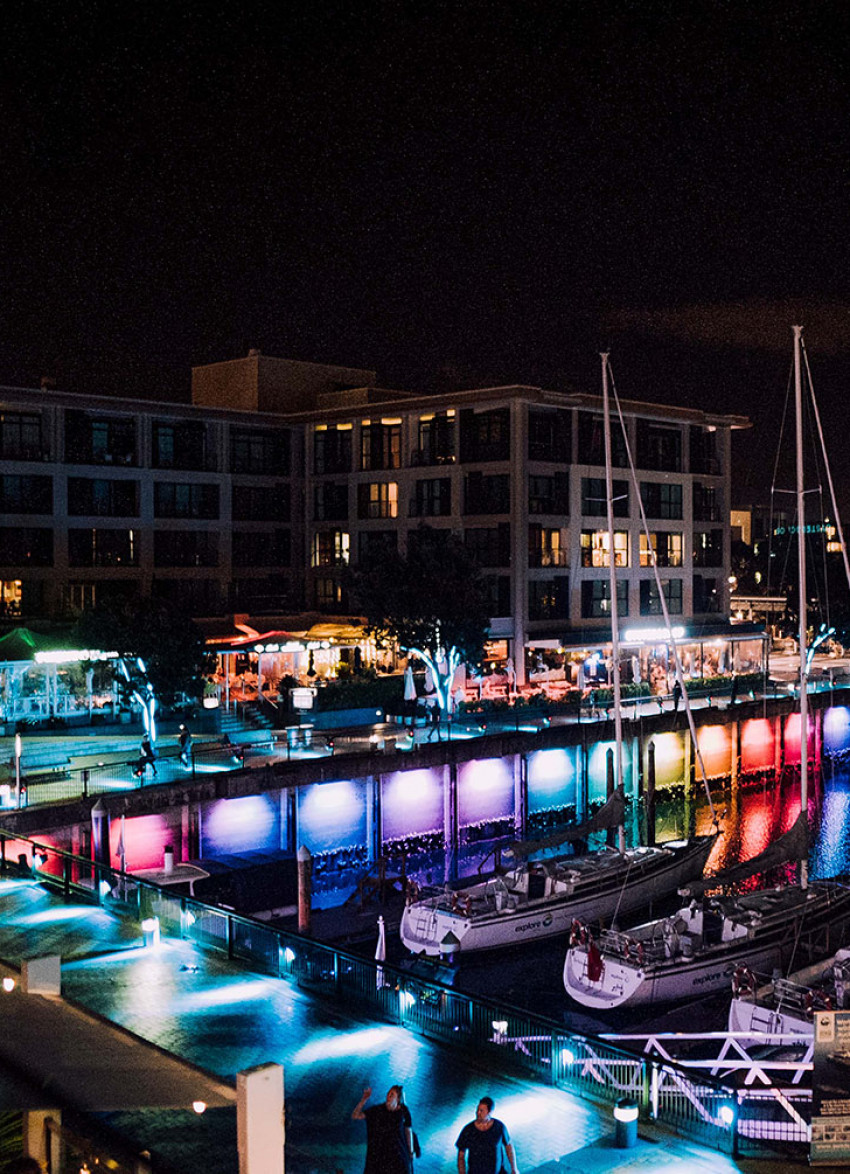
(226, 1019)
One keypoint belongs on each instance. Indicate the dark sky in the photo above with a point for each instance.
(452, 193)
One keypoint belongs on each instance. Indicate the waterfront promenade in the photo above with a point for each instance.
(214, 1013)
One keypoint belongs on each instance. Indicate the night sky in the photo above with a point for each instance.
(454, 194)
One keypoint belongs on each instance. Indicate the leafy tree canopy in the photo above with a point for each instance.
(432, 602)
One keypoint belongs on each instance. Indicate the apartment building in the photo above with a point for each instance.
(257, 495)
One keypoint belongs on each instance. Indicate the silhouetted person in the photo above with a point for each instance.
(147, 755)
(677, 695)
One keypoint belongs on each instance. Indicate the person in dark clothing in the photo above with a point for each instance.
(434, 720)
(733, 691)
(147, 754)
(389, 1140)
(185, 741)
(487, 1143)
(677, 695)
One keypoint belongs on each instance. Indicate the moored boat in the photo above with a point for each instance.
(787, 1006)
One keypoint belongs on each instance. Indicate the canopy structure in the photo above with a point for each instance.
(32, 685)
(21, 645)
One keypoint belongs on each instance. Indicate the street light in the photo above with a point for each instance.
(17, 770)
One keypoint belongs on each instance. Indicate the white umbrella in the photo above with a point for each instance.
(380, 951)
(409, 685)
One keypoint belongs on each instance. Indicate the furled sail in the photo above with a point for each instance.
(610, 815)
(792, 845)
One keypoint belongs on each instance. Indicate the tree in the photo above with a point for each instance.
(431, 602)
(160, 651)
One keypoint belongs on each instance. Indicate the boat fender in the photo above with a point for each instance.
(578, 934)
(630, 946)
(812, 997)
(743, 981)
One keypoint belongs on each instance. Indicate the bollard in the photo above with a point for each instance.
(625, 1123)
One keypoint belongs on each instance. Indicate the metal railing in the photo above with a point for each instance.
(728, 1117)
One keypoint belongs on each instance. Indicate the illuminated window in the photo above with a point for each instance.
(667, 546)
(380, 445)
(546, 547)
(595, 548)
(377, 499)
(330, 548)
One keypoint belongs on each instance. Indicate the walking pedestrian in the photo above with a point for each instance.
(185, 742)
(434, 720)
(147, 754)
(677, 695)
(389, 1136)
(487, 1143)
(733, 691)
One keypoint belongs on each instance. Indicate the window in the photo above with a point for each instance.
(594, 502)
(595, 548)
(596, 599)
(704, 456)
(708, 548)
(330, 548)
(171, 499)
(263, 451)
(497, 590)
(667, 546)
(485, 436)
(178, 444)
(331, 501)
(546, 547)
(484, 494)
(661, 500)
(330, 595)
(20, 436)
(26, 495)
(103, 548)
(185, 548)
(375, 545)
(332, 448)
(707, 596)
(490, 546)
(199, 597)
(591, 442)
(261, 548)
(262, 503)
(99, 440)
(378, 499)
(658, 447)
(549, 599)
(380, 445)
(549, 495)
(432, 498)
(650, 601)
(100, 498)
(436, 439)
(26, 546)
(549, 436)
(707, 503)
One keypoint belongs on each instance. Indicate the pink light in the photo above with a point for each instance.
(715, 746)
(757, 747)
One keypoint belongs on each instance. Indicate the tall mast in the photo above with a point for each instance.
(612, 571)
(803, 605)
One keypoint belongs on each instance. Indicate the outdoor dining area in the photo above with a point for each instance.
(43, 678)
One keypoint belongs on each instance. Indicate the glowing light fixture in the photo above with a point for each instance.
(727, 1114)
(199, 1106)
(567, 1057)
(8, 984)
(406, 1000)
(289, 955)
(500, 1026)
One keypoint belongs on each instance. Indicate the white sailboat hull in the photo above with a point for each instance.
(499, 912)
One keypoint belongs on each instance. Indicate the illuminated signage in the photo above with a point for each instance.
(644, 635)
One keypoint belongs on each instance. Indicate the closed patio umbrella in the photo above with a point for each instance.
(409, 685)
(381, 951)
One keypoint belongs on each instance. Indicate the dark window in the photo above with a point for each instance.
(332, 450)
(185, 548)
(262, 503)
(99, 440)
(549, 436)
(171, 499)
(549, 599)
(330, 595)
(26, 495)
(596, 599)
(331, 501)
(432, 498)
(26, 546)
(414, 537)
(708, 548)
(103, 548)
(549, 494)
(707, 503)
(436, 440)
(380, 446)
(704, 457)
(545, 548)
(594, 502)
(486, 495)
(661, 500)
(20, 436)
(377, 499)
(98, 497)
(375, 545)
(485, 436)
(199, 597)
(262, 548)
(180, 444)
(253, 450)
(591, 442)
(650, 601)
(490, 546)
(707, 596)
(330, 548)
(264, 593)
(498, 594)
(658, 447)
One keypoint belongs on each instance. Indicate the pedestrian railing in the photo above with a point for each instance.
(731, 1117)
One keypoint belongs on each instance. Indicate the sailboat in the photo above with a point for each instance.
(706, 946)
(543, 898)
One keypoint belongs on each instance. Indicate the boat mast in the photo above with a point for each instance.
(612, 570)
(803, 603)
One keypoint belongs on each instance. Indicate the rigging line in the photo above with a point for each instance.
(838, 525)
(680, 676)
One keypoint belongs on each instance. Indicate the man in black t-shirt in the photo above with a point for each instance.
(486, 1143)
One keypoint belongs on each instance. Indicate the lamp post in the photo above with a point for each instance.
(17, 770)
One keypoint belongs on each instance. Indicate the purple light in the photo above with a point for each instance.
(412, 803)
(836, 729)
(241, 825)
(485, 790)
(332, 815)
